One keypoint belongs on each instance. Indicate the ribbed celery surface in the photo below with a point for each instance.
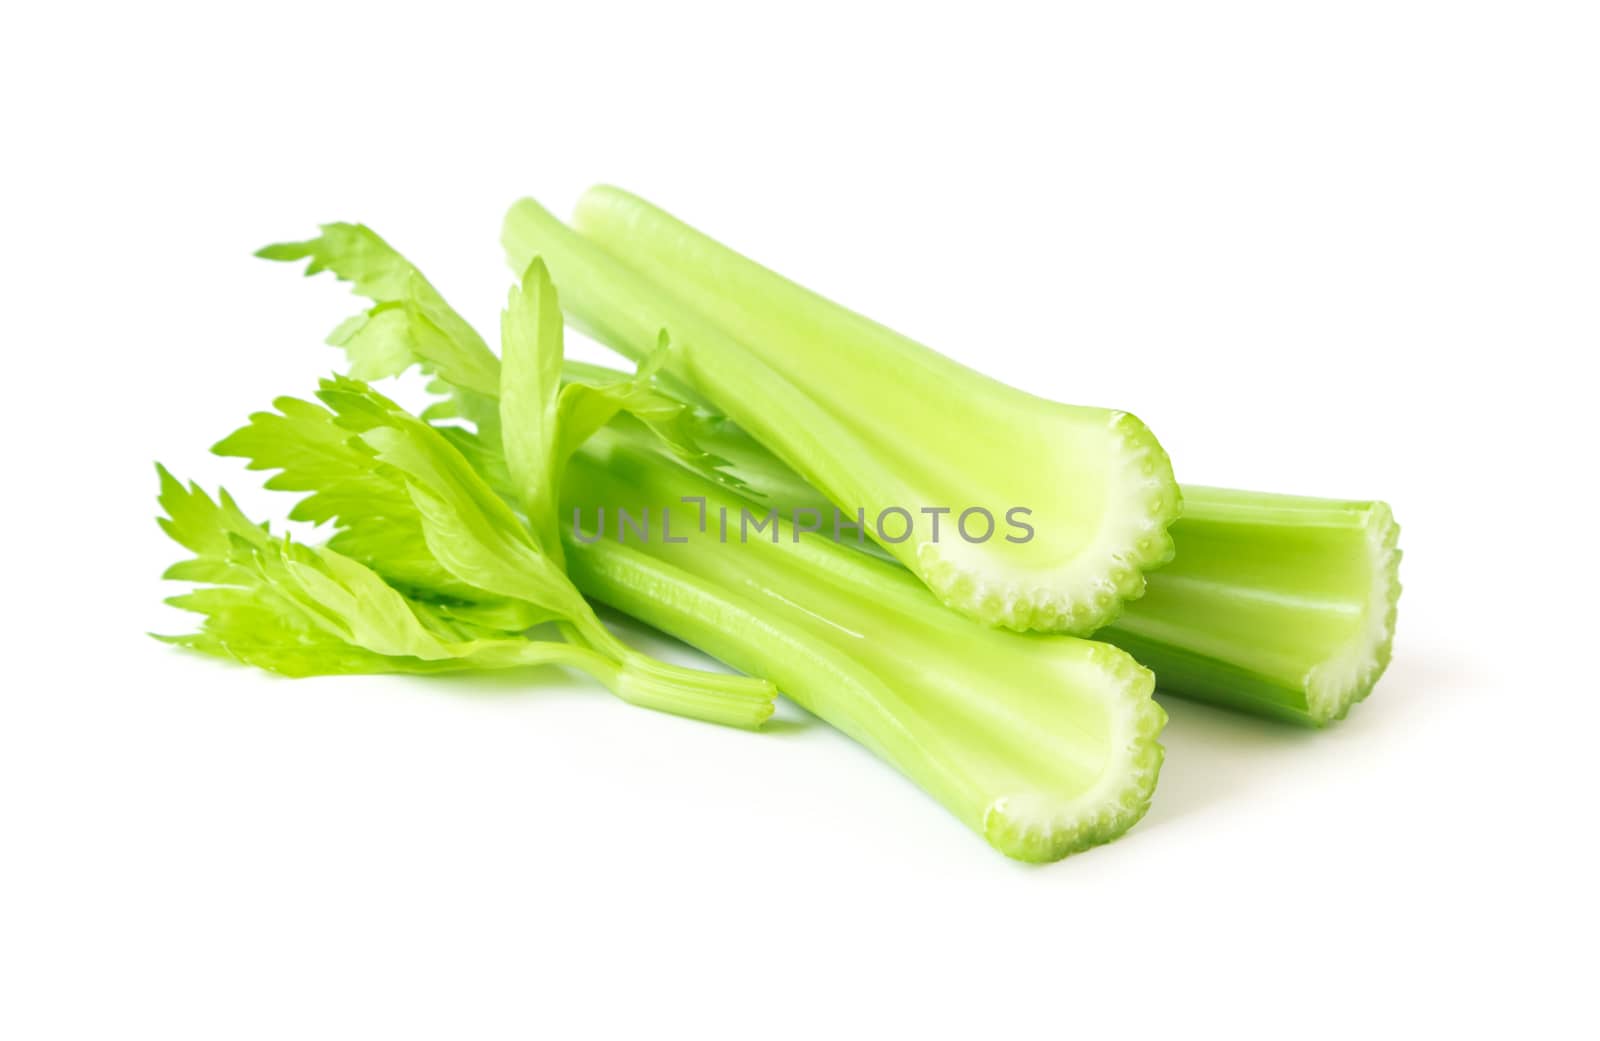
(1276, 604)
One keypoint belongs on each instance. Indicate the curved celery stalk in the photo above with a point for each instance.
(1045, 745)
(877, 422)
(1275, 604)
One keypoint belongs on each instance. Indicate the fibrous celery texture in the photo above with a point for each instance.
(876, 421)
(1044, 744)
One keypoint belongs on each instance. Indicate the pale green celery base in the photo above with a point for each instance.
(1276, 604)
(1046, 745)
(877, 421)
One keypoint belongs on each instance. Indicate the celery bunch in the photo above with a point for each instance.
(451, 548)
(1280, 605)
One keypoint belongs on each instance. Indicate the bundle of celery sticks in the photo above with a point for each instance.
(973, 582)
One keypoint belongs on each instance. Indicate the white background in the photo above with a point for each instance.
(1340, 249)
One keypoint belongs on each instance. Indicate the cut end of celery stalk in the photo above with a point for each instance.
(1090, 579)
(1038, 827)
(1280, 605)
(1349, 675)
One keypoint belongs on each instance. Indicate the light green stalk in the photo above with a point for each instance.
(876, 421)
(1044, 744)
(1275, 604)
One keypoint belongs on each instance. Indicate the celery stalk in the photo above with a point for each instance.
(1279, 605)
(1044, 744)
(1275, 604)
(880, 424)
